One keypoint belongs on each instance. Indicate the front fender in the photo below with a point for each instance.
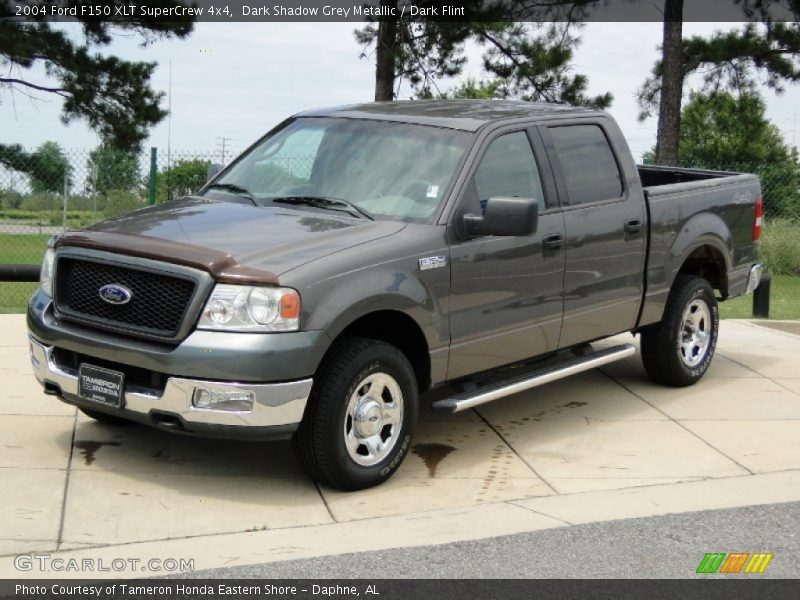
(342, 303)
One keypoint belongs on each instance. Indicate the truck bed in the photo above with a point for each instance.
(687, 207)
(665, 179)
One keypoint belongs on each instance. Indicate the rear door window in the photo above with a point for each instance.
(590, 171)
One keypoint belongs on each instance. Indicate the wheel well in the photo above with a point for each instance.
(709, 263)
(402, 332)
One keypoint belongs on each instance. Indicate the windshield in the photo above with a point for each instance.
(393, 170)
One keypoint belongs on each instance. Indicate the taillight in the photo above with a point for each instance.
(758, 217)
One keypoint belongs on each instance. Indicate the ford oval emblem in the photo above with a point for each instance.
(113, 293)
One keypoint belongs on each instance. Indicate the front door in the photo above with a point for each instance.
(505, 298)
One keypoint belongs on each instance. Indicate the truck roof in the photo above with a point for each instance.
(467, 115)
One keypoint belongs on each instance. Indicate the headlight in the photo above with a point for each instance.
(46, 274)
(246, 308)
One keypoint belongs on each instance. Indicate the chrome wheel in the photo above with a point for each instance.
(374, 419)
(695, 337)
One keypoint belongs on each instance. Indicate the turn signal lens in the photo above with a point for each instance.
(290, 305)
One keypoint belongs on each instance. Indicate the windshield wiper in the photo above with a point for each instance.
(236, 189)
(324, 202)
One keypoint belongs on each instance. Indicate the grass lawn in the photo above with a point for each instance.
(14, 296)
(784, 301)
(23, 248)
(19, 249)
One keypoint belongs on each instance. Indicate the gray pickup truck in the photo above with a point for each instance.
(356, 257)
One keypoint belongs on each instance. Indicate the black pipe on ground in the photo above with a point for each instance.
(27, 273)
(761, 297)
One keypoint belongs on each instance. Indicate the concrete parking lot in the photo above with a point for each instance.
(604, 445)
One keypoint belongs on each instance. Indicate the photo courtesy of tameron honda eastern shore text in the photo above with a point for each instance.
(356, 257)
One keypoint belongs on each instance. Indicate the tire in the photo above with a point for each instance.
(679, 350)
(350, 439)
(105, 418)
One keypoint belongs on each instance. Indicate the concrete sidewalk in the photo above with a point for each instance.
(659, 547)
(603, 445)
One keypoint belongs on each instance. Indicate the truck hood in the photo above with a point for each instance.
(270, 239)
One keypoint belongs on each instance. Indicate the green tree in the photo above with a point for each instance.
(532, 61)
(183, 178)
(49, 169)
(112, 95)
(10, 198)
(721, 128)
(528, 50)
(762, 49)
(473, 89)
(417, 51)
(723, 131)
(110, 168)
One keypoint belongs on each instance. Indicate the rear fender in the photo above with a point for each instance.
(704, 229)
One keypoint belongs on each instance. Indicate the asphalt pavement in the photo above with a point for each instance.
(669, 546)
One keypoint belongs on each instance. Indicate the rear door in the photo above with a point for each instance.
(604, 218)
(505, 294)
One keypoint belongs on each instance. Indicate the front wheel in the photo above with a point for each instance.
(678, 351)
(361, 415)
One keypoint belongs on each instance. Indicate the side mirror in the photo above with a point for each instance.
(505, 216)
(213, 169)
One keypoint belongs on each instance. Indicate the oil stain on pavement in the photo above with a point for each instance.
(89, 448)
(432, 455)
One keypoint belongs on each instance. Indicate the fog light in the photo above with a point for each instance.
(234, 401)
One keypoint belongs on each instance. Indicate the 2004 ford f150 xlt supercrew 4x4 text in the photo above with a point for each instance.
(356, 257)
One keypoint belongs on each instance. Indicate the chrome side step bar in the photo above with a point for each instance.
(533, 379)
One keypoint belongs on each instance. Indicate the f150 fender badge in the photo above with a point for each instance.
(113, 293)
(432, 262)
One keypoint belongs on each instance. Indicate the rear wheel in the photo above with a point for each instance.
(104, 418)
(679, 350)
(361, 415)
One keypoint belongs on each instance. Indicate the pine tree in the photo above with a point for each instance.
(529, 48)
(671, 82)
(112, 95)
(760, 50)
(531, 61)
(415, 51)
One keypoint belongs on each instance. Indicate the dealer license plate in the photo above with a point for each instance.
(101, 385)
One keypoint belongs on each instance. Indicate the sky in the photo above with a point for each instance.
(237, 80)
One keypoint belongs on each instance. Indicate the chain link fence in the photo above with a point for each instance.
(779, 246)
(50, 189)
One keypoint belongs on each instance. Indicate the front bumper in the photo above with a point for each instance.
(277, 408)
(212, 355)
